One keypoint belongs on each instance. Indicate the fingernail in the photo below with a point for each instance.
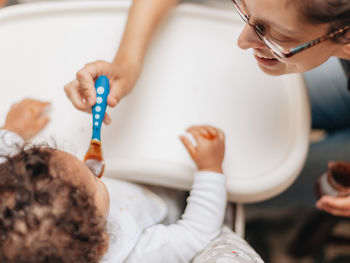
(90, 101)
(113, 101)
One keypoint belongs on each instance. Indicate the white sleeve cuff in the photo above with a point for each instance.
(209, 176)
(10, 142)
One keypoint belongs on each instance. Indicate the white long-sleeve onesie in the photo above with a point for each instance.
(200, 223)
(136, 212)
(180, 242)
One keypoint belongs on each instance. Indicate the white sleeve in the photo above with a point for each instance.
(10, 142)
(200, 223)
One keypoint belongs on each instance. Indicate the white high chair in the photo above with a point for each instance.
(194, 73)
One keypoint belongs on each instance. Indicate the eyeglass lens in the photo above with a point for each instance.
(258, 29)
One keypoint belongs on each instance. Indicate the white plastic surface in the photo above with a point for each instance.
(193, 74)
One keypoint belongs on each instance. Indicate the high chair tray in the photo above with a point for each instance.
(194, 73)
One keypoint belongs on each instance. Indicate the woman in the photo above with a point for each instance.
(287, 36)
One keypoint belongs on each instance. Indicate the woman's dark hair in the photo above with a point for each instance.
(44, 218)
(334, 12)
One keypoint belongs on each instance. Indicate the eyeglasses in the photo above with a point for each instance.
(276, 48)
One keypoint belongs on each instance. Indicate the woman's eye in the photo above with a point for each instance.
(280, 41)
(261, 29)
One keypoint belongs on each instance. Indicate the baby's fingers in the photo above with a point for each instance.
(221, 135)
(42, 107)
(35, 107)
(189, 146)
(205, 133)
(41, 123)
(196, 133)
(213, 131)
(35, 127)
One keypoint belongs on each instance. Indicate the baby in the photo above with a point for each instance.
(53, 209)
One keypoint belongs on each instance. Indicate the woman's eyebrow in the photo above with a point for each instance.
(273, 24)
(281, 29)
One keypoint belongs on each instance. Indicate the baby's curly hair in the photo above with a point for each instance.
(44, 218)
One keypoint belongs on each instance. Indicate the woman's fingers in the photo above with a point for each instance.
(115, 93)
(107, 119)
(335, 211)
(86, 78)
(81, 91)
(73, 92)
(336, 202)
(339, 206)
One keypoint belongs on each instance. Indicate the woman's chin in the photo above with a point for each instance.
(272, 71)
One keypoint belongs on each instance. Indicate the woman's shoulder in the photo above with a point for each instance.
(346, 66)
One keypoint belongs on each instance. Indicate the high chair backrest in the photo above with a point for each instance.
(194, 73)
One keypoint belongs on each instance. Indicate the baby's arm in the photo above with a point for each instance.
(203, 217)
(23, 121)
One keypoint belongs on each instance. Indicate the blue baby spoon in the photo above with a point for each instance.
(93, 157)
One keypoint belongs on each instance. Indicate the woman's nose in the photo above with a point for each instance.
(249, 39)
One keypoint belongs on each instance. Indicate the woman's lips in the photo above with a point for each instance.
(266, 61)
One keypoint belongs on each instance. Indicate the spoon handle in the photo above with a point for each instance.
(99, 109)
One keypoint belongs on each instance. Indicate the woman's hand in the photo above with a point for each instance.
(338, 206)
(210, 150)
(27, 118)
(143, 19)
(122, 76)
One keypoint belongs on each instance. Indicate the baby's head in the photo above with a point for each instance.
(52, 209)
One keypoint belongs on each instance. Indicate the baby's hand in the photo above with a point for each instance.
(26, 118)
(210, 150)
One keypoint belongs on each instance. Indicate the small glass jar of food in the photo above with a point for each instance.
(335, 182)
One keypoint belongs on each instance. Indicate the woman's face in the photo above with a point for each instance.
(283, 25)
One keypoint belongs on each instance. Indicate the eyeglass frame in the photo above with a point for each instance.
(292, 51)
